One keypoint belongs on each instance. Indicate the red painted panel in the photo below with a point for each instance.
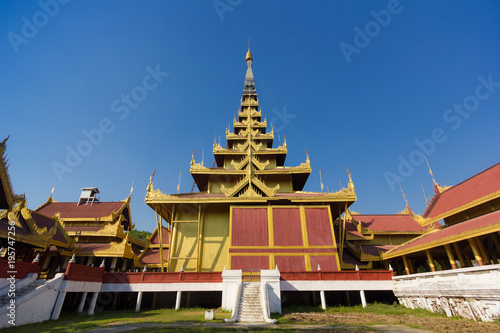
(326, 263)
(250, 227)
(250, 262)
(286, 250)
(290, 263)
(286, 227)
(318, 226)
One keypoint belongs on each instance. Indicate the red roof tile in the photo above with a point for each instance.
(152, 256)
(454, 231)
(72, 210)
(165, 237)
(474, 188)
(388, 223)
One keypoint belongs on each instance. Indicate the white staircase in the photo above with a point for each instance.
(250, 306)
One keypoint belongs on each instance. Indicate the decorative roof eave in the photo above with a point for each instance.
(158, 197)
(393, 253)
(115, 249)
(36, 240)
(10, 196)
(345, 266)
(462, 208)
(281, 150)
(198, 169)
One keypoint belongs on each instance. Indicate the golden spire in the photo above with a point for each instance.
(249, 54)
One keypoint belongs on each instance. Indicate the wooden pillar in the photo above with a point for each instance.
(154, 300)
(348, 297)
(407, 267)
(410, 263)
(463, 263)
(475, 251)
(482, 250)
(496, 242)
(115, 300)
(431, 260)
(451, 258)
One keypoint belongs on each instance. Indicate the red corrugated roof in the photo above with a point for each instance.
(72, 210)
(389, 223)
(373, 250)
(455, 230)
(93, 247)
(474, 188)
(84, 228)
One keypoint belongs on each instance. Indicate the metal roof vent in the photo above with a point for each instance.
(89, 195)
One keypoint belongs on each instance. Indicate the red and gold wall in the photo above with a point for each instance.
(295, 238)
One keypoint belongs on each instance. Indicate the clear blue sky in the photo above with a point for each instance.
(356, 99)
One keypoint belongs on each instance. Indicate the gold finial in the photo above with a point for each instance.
(53, 188)
(249, 54)
(430, 171)
(131, 188)
(321, 181)
(426, 200)
(404, 195)
(179, 185)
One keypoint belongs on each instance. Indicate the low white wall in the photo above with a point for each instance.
(472, 292)
(231, 279)
(271, 277)
(336, 285)
(33, 307)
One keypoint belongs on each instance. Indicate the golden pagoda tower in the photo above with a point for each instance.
(250, 211)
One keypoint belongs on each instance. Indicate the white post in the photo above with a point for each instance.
(89, 260)
(363, 299)
(124, 264)
(178, 300)
(93, 301)
(82, 302)
(362, 293)
(113, 264)
(323, 300)
(139, 300)
(59, 303)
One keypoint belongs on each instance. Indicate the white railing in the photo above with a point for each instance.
(265, 304)
(236, 307)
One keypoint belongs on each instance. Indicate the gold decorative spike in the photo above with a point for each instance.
(255, 146)
(259, 165)
(229, 192)
(270, 192)
(242, 147)
(240, 165)
(250, 193)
